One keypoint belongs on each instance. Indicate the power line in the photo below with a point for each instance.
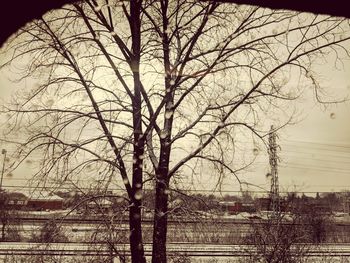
(304, 167)
(341, 154)
(273, 158)
(319, 143)
(316, 166)
(320, 160)
(333, 171)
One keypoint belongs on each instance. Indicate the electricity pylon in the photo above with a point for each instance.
(274, 192)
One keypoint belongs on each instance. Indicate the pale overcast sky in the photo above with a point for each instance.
(315, 152)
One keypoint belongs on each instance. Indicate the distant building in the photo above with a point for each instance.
(100, 205)
(230, 207)
(20, 200)
(16, 200)
(41, 200)
(236, 207)
(264, 204)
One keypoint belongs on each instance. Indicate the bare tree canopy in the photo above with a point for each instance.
(34, 9)
(144, 93)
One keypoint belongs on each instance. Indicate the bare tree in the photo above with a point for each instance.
(50, 232)
(279, 239)
(110, 232)
(144, 93)
(288, 236)
(10, 225)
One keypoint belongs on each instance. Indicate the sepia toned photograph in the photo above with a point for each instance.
(175, 131)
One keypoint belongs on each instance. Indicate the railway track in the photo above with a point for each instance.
(98, 219)
(189, 249)
(101, 219)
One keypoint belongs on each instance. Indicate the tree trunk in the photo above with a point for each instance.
(3, 227)
(136, 245)
(160, 223)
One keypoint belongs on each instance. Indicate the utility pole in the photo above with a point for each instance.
(274, 192)
(3, 152)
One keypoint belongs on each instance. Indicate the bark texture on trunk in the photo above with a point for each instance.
(136, 245)
(136, 242)
(160, 223)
